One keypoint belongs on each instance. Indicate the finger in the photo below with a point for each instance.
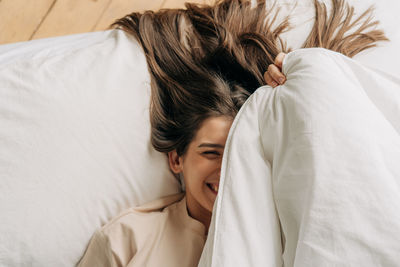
(268, 79)
(276, 74)
(279, 59)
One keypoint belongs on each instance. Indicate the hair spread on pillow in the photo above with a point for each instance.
(206, 60)
(341, 31)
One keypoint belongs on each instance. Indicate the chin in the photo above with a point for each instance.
(210, 203)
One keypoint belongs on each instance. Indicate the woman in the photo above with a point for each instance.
(204, 62)
(191, 125)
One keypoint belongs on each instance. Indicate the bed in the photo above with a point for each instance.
(74, 138)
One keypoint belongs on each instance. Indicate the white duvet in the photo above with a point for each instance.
(311, 170)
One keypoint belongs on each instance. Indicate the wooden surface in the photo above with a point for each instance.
(23, 20)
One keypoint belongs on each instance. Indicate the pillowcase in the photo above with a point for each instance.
(74, 144)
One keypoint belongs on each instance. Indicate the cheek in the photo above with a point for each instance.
(200, 168)
(206, 167)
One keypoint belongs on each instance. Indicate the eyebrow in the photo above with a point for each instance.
(211, 145)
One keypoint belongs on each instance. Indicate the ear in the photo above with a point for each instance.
(175, 162)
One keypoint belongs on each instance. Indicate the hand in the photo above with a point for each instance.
(274, 76)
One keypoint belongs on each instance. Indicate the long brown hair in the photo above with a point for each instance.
(206, 60)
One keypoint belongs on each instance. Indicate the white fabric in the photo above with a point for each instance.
(318, 157)
(74, 144)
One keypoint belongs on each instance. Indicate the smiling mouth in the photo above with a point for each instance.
(213, 187)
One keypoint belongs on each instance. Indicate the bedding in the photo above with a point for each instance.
(311, 174)
(74, 144)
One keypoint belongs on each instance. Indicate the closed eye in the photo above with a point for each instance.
(211, 153)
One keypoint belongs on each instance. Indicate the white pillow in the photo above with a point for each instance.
(74, 144)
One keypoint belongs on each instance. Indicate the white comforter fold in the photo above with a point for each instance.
(311, 170)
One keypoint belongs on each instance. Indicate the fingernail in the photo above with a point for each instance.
(274, 84)
(281, 80)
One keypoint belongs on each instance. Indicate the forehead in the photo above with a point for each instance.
(213, 130)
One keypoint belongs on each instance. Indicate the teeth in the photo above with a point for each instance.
(214, 187)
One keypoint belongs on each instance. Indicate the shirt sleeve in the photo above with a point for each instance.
(99, 252)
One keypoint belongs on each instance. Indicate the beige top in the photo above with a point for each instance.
(160, 233)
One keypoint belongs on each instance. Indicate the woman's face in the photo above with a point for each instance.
(201, 164)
